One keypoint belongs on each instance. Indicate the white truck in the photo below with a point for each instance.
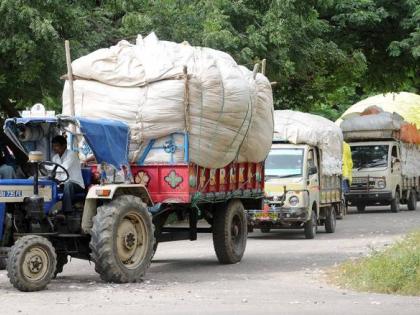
(302, 176)
(386, 170)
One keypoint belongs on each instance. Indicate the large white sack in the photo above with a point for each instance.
(258, 140)
(381, 121)
(224, 109)
(303, 128)
(410, 159)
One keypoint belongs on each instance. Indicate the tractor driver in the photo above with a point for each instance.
(70, 161)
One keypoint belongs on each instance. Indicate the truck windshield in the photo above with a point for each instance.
(284, 163)
(369, 156)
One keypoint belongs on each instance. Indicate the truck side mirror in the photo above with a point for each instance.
(312, 170)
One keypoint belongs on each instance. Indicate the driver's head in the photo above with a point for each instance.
(59, 145)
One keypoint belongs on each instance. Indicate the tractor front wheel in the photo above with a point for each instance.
(122, 240)
(31, 263)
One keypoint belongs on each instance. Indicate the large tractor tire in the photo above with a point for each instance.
(412, 200)
(395, 203)
(230, 232)
(330, 221)
(122, 239)
(31, 263)
(311, 226)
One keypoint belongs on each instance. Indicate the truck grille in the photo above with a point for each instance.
(362, 183)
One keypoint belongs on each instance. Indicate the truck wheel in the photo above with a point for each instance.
(395, 203)
(230, 232)
(361, 208)
(62, 260)
(31, 263)
(412, 200)
(311, 226)
(122, 239)
(330, 221)
(265, 230)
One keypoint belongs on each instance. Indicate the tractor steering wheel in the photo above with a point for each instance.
(51, 173)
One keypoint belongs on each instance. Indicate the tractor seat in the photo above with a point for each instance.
(87, 180)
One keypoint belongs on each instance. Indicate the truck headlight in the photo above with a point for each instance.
(294, 201)
(381, 183)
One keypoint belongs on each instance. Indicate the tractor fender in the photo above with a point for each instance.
(109, 192)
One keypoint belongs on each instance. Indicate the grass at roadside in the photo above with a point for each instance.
(393, 270)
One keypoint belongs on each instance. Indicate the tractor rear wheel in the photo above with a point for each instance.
(230, 232)
(31, 263)
(122, 239)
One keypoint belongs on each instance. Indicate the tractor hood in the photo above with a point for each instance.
(108, 139)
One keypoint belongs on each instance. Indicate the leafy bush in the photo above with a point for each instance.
(394, 270)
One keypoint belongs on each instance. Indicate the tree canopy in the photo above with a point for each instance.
(324, 55)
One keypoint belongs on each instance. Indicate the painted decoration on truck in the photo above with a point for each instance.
(173, 179)
(233, 174)
(213, 177)
(202, 178)
(142, 178)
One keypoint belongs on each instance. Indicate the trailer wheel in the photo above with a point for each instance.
(412, 200)
(31, 263)
(395, 203)
(311, 226)
(122, 239)
(230, 232)
(330, 221)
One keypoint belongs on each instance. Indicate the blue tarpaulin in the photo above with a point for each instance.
(107, 138)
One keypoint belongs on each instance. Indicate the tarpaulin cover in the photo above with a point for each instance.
(108, 139)
(304, 128)
(226, 109)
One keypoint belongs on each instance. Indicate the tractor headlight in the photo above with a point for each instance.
(381, 184)
(294, 201)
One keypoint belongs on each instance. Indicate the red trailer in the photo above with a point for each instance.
(182, 193)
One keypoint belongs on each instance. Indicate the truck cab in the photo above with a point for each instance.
(297, 194)
(377, 177)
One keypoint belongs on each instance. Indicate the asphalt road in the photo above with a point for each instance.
(281, 273)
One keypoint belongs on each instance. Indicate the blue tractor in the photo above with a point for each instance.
(110, 224)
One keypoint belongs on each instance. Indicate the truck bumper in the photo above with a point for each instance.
(277, 217)
(369, 197)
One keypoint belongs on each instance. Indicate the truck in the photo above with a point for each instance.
(301, 191)
(384, 172)
(120, 218)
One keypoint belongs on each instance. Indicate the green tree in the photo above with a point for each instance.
(32, 54)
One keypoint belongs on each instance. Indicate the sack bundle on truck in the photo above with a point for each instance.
(385, 141)
(303, 175)
(163, 89)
